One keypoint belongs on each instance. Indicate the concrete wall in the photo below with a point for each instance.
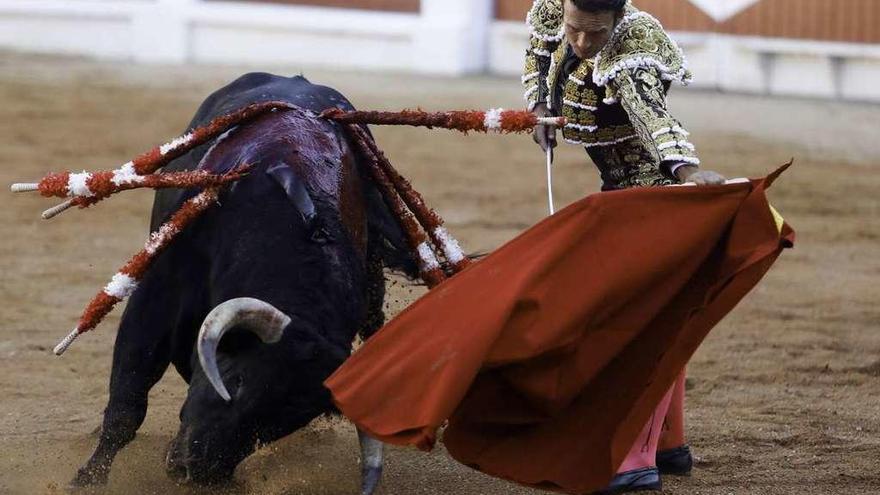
(445, 37)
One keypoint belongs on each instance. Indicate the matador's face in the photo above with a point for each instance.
(588, 32)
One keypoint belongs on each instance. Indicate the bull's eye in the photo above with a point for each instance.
(318, 233)
(235, 384)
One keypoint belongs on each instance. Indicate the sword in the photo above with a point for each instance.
(550, 179)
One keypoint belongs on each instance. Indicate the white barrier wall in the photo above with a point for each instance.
(447, 37)
(100, 29)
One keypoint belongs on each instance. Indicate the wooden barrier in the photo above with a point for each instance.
(852, 21)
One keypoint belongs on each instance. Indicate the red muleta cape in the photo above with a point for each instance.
(548, 356)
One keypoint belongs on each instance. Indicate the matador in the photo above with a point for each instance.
(607, 67)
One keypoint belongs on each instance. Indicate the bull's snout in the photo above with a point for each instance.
(191, 462)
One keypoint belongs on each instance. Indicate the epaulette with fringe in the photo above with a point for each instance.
(639, 41)
(545, 20)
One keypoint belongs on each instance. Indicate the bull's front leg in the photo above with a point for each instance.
(140, 356)
(372, 450)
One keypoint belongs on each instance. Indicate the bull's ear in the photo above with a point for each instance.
(295, 189)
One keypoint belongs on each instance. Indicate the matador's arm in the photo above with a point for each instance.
(642, 93)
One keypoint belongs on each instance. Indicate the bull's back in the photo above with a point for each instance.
(248, 89)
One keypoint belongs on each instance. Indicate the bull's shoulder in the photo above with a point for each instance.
(254, 87)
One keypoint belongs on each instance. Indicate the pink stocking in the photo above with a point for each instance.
(643, 454)
(673, 435)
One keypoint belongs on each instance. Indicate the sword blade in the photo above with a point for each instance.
(550, 180)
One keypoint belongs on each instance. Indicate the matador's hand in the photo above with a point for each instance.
(700, 177)
(544, 135)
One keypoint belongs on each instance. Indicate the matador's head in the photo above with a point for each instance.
(590, 23)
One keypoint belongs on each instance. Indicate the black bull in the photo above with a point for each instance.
(306, 236)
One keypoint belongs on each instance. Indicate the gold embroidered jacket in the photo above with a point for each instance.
(616, 102)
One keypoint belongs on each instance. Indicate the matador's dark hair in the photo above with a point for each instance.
(599, 5)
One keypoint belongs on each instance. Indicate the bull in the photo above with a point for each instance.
(260, 299)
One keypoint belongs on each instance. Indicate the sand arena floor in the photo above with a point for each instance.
(784, 396)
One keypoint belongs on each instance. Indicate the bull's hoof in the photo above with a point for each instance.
(370, 478)
(174, 467)
(88, 478)
(176, 473)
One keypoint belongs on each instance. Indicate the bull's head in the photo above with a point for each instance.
(220, 426)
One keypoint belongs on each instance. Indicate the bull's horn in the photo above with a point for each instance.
(257, 316)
